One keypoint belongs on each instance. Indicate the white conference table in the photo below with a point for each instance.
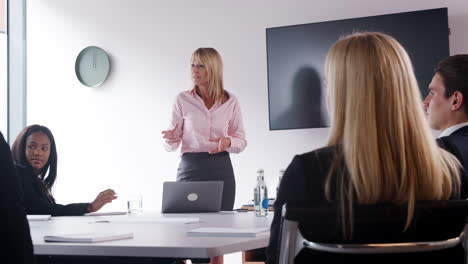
(150, 239)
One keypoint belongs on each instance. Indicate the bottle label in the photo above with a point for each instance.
(265, 203)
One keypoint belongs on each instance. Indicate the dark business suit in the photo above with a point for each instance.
(37, 201)
(457, 144)
(303, 185)
(15, 245)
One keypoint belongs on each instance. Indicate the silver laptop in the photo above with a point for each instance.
(192, 197)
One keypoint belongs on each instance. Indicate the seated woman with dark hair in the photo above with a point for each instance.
(35, 156)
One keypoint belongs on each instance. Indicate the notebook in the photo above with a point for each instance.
(228, 231)
(38, 217)
(139, 220)
(88, 237)
(105, 213)
(192, 197)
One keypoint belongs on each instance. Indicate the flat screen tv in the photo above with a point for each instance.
(296, 58)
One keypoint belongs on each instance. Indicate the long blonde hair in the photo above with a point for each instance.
(214, 66)
(378, 121)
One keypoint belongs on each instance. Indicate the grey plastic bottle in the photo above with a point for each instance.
(281, 173)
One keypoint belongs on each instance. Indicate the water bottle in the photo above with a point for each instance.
(281, 173)
(260, 195)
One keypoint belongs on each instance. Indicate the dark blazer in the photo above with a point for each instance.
(37, 201)
(15, 245)
(303, 185)
(457, 144)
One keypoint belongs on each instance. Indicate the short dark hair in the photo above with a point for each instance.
(19, 157)
(454, 73)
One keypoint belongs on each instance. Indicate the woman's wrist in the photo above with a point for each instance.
(90, 208)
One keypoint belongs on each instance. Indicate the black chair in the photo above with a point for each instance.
(435, 235)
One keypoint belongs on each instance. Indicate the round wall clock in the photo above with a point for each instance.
(92, 66)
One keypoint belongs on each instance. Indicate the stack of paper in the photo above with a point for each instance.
(227, 231)
(88, 237)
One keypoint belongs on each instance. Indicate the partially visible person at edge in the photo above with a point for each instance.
(35, 157)
(446, 107)
(16, 245)
(380, 147)
(207, 123)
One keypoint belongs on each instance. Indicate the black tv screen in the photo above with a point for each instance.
(296, 58)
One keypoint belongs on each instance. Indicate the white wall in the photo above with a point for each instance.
(110, 136)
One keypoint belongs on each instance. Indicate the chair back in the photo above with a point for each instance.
(378, 230)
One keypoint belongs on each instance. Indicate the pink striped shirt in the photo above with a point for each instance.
(196, 124)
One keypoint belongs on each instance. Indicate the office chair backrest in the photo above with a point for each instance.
(434, 221)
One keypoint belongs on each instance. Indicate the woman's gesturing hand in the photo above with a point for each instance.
(170, 135)
(103, 198)
(223, 144)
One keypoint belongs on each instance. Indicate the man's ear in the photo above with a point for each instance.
(457, 100)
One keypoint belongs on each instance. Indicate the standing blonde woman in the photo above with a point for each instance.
(380, 148)
(207, 123)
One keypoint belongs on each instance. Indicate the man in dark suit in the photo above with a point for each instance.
(447, 107)
(15, 245)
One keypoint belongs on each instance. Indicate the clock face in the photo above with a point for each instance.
(92, 66)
